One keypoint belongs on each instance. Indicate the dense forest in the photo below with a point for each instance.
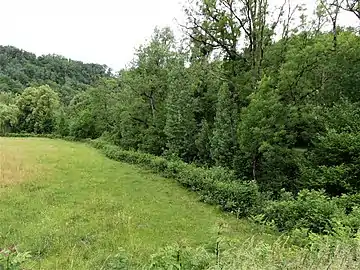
(271, 96)
(20, 69)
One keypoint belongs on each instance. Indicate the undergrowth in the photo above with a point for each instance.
(321, 252)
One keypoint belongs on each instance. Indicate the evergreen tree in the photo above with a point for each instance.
(203, 144)
(180, 122)
(223, 142)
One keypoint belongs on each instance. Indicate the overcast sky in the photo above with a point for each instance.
(99, 31)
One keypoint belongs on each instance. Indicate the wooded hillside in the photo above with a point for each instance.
(20, 69)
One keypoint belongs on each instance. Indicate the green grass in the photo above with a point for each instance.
(72, 208)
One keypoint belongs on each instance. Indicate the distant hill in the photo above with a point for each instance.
(20, 69)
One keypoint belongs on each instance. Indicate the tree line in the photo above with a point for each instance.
(271, 94)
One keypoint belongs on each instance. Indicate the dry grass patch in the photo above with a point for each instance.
(17, 164)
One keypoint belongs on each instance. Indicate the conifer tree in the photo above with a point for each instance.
(203, 144)
(223, 142)
(180, 122)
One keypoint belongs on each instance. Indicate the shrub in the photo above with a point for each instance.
(351, 206)
(242, 198)
(312, 210)
(349, 202)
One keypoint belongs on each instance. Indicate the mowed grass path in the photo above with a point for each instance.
(72, 208)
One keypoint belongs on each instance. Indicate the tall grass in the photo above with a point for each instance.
(321, 253)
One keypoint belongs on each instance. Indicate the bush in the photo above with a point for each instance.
(312, 210)
(242, 198)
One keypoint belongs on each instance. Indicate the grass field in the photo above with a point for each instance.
(72, 208)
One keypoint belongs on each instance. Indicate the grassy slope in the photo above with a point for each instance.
(72, 207)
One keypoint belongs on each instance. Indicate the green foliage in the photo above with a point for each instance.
(8, 118)
(37, 109)
(223, 141)
(180, 122)
(334, 163)
(311, 210)
(203, 144)
(180, 257)
(84, 126)
(20, 69)
(129, 131)
(62, 123)
(12, 259)
(315, 212)
(349, 202)
(284, 114)
(141, 110)
(265, 140)
(92, 112)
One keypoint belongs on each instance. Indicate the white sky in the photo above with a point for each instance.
(98, 31)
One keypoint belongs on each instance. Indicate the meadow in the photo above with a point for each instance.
(73, 208)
